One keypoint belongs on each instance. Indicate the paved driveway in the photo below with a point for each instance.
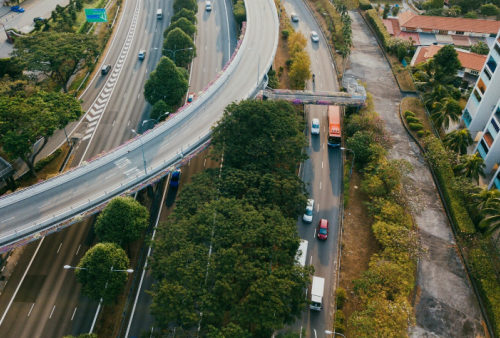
(445, 305)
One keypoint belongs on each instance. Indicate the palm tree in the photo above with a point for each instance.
(471, 166)
(458, 141)
(444, 111)
(483, 200)
(491, 217)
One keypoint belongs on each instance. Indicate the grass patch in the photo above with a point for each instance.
(402, 73)
(414, 105)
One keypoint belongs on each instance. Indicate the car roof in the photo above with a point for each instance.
(314, 32)
(315, 120)
(323, 223)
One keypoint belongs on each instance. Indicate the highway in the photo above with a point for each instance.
(323, 172)
(49, 299)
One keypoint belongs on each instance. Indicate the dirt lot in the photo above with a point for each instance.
(358, 244)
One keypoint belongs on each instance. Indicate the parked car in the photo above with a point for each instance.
(314, 36)
(294, 17)
(308, 214)
(191, 97)
(38, 19)
(323, 229)
(208, 6)
(17, 9)
(142, 54)
(315, 127)
(175, 178)
(105, 69)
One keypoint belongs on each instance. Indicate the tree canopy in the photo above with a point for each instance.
(122, 221)
(185, 13)
(480, 48)
(28, 114)
(447, 59)
(184, 24)
(57, 55)
(191, 5)
(165, 83)
(95, 275)
(12, 67)
(178, 42)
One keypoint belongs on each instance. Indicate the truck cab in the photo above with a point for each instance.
(317, 290)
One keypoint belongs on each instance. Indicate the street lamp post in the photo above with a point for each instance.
(142, 148)
(155, 120)
(258, 64)
(175, 51)
(334, 333)
(77, 268)
(353, 157)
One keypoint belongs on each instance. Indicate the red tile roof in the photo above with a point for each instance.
(410, 20)
(468, 60)
(388, 26)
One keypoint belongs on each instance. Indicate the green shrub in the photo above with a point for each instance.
(408, 113)
(46, 160)
(341, 297)
(420, 133)
(289, 62)
(415, 126)
(378, 26)
(339, 321)
(365, 5)
(438, 160)
(484, 274)
(411, 119)
(240, 14)
(285, 33)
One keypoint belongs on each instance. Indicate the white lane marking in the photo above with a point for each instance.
(311, 260)
(8, 219)
(124, 95)
(206, 47)
(60, 245)
(314, 233)
(320, 185)
(113, 123)
(128, 123)
(323, 145)
(79, 190)
(109, 176)
(317, 209)
(78, 250)
(31, 309)
(52, 311)
(73, 313)
(321, 164)
(315, 335)
(44, 205)
(205, 162)
(186, 131)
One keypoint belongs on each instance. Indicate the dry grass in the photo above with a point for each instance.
(402, 73)
(358, 245)
(282, 54)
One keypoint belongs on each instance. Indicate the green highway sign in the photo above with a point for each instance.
(96, 15)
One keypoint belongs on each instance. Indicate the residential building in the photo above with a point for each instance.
(482, 113)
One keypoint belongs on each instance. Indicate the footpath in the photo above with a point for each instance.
(445, 304)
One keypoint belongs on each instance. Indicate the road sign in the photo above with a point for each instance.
(96, 15)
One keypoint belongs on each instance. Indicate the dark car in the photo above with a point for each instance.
(17, 9)
(38, 19)
(175, 178)
(323, 229)
(105, 69)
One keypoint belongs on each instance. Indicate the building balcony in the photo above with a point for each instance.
(492, 61)
(466, 118)
(488, 139)
(481, 86)
(482, 152)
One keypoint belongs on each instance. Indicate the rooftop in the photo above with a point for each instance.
(467, 59)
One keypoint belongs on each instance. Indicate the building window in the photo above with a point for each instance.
(476, 94)
(466, 117)
(474, 72)
(495, 125)
(488, 74)
(460, 33)
(485, 147)
(497, 48)
(481, 86)
(492, 64)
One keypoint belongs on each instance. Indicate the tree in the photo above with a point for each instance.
(445, 111)
(28, 115)
(447, 59)
(296, 42)
(402, 52)
(300, 70)
(177, 40)
(12, 67)
(83, 335)
(481, 200)
(190, 5)
(471, 15)
(267, 141)
(122, 221)
(185, 13)
(458, 141)
(95, 275)
(387, 8)
(471, 166)
(364, 146)
(230, 331)
(57, 55)
(489, 10)
(480, 48)
(165, 83)
(184, 24)
(159, 109)
(395, 11)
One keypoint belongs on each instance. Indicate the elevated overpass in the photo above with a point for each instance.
(354, 95)
(67, 199)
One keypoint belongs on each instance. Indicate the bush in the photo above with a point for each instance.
(341, 297)
(339, 322)
(289, 62)
(46, 160)
(240, 14)
(438, 160)
(420, 133)
(285, 33)
(379, 26)
(408, 113)
(411, 119)
(402, 52)
(415, 126)
(365, 5)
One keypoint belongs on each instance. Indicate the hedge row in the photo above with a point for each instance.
(379, 26)
(240, 14)
(365, 5)
(438, 159)
(488, 286)
(46, 160)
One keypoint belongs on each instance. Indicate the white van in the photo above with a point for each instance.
(301, 256)
(159, 14)
(208, 6)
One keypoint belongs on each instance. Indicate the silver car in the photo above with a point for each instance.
(314, 36)
(308, 214)
(294, 17)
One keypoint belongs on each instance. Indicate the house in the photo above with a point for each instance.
(472, 63)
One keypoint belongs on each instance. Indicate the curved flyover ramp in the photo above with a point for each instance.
(64, 200)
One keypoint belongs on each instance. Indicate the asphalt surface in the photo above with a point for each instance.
(46, 284)
(323, 174)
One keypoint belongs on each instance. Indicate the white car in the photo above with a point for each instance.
(308, 215)
(314, 36)
(294, 17)
(315, 127)
(208, 6)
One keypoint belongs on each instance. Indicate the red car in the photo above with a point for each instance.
(323, 229)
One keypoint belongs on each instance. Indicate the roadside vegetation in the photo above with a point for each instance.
(225, 259)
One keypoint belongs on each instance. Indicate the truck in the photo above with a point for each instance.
(317, 289)
(302, 252)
